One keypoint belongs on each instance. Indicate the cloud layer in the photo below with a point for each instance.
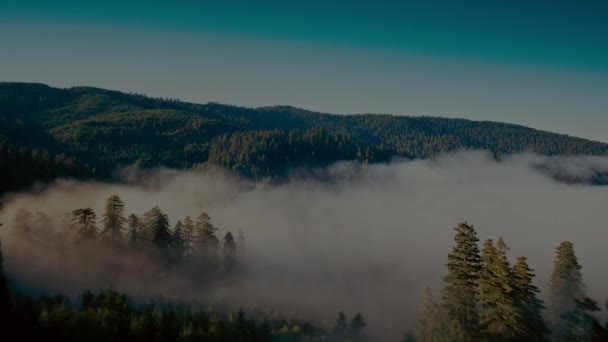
(369, 241)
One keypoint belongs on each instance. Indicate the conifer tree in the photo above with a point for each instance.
(206, 239)
(188, 235)
(229, 252)
(177, 241)
(530, 307)
(427, 329)
(133, 231)
(83, 224)
(355, 329)
(113, 220)
(567, 301)
(460, 293)
(157, 227)
(499, 317)
(341, 327)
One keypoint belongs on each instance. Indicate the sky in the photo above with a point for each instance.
(543, 65)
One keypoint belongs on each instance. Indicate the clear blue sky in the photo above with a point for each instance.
(543, 64)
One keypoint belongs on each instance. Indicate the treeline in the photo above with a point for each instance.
(20, 166)
(485, 298)
(109, 315)
(188, 241)
(105, 129)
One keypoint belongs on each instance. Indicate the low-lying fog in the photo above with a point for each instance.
(369, 242)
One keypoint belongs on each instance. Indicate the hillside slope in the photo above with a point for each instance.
(99, 130)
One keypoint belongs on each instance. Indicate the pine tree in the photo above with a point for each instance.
(229, 252)
(113, 220)
(83, 224)
(133, 231)
(157, 228)
(177, 241)
(188, 234)
(355, 329)
(460, 294)
(205, 239)
(341, 327)
(528, 304)
(428, 328)
(566, 294)
(499, 316)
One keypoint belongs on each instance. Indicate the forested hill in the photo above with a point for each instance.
(47, 132)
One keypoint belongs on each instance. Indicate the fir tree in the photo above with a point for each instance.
(528, 304)
(460, 293)
(229, 252)
(188, 235)
(355, 329)
(427, 328)
(133, 231)
(83, 224)
(341, 327)
(157, 226)
(566, 294)
(177, 241)
(205, 239)
(499, 316)
(113, 220)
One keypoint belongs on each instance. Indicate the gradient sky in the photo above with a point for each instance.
(543, 65)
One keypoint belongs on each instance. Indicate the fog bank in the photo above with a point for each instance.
(369, 241)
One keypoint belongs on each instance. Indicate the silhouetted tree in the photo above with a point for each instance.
(113, 220)
(460, 293)
(529, 305)
(83, 224)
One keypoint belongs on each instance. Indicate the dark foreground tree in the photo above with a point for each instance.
(460, 293)
(528, 304)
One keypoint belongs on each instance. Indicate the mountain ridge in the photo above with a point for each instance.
(98, 129)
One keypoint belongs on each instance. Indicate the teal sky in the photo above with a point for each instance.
(544, 64)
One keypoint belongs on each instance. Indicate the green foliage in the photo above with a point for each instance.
(46, 133)
(113, 220)
(83, 225)
(460, 293)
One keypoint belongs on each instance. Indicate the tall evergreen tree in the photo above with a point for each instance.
(566, 295)
(188, 234)
(157, 228)
(206, 239)
(177, 241)
(460, 293)
(113, 220)
(341, 327)
(133, 231)
(528, 304)
(355, 329)
(427, 329)
(83, 225)
(498, 315)
(229, 252)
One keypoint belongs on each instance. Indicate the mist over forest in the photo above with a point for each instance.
(370, 240)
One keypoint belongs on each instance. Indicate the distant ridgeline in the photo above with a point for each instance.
(81, 132)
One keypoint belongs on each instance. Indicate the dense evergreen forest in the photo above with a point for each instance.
(484, 297)
(87, 132)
